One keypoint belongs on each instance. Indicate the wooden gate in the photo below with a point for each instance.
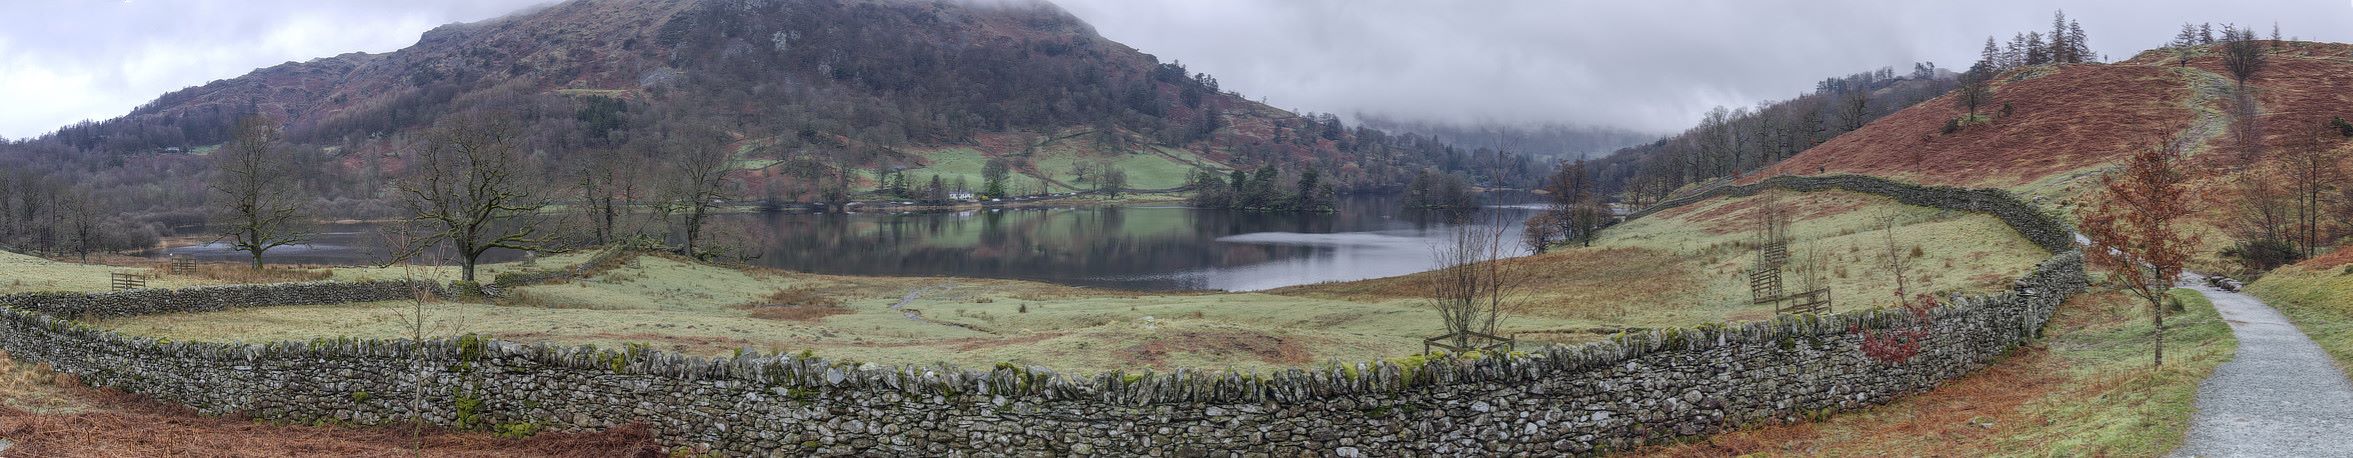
(127, 280)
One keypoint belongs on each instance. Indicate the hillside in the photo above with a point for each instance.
(2065, 123)
(804, 88)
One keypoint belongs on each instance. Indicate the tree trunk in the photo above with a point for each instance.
(694, 229)
(2157, 317)
(466, 270)
(257, 260)
(605, 233)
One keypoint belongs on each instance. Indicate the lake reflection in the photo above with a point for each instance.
(1141, 248)
(1146, 248)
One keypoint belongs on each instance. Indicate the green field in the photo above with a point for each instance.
(694, 308)
(21, 273)
(1675, 269)
(1689, 265)
(1942, 251)
(1154, 168)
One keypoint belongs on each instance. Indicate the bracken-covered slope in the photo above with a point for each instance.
(2053, 127)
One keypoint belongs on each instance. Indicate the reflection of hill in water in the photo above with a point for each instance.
(335, 244)
(1134, 248)
(1151, 248)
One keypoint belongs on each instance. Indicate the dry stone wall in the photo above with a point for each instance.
(1638, 388)
(2043, 229)
(213, 298)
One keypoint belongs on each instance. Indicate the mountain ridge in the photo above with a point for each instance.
(902, 78)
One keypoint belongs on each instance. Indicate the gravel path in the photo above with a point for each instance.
(2278, 396)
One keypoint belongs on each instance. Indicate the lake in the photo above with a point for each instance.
(1137, 248)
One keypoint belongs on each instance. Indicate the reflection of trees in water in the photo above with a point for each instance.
(1062, 245)
(1082, 246)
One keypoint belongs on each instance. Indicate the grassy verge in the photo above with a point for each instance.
(2318, 297)
(2085, 389)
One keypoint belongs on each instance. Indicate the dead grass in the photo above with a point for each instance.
(1564, 280)
(2078, 116)
(802, 297)
(1966, 411)
(2084, 390)
(1153, 351)
(796, 304)
(238, 273)
(2074, 117)
(794, 312)
(110, 423)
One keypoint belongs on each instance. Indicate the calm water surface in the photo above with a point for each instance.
(1143, 248)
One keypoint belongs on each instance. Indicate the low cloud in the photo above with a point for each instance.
(63, 62)
(1648, 65)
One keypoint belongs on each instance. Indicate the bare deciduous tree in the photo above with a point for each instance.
(1472, 287)
(2313, 169)
(2242, 55)
(699, 162)
(1976, 88)
(608, 182)
(470, 184)
(254, 193)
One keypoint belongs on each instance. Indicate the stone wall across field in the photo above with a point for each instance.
(2041, 228)
(212, 298)
(1638, 388)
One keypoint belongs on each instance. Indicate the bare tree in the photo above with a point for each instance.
(2242, 55)
(253, 192)
(470, 185)
(2313, 170)
(420, 324)
(1976, 88)
(700, 160)
(1472, 287)
(608, 182)
(79, 219)
(1540, 231)
(1112, 180)
(1900, 344)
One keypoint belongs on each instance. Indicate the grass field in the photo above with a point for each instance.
(1678, 268)
(700, 309)
(2318, 296)
(2085, 389)
(1157, 168)
(1688, 265)
(21, 273)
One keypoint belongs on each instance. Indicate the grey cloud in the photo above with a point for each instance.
(1650, 65)
(64, 61)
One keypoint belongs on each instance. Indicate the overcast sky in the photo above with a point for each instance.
(1653, 65)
